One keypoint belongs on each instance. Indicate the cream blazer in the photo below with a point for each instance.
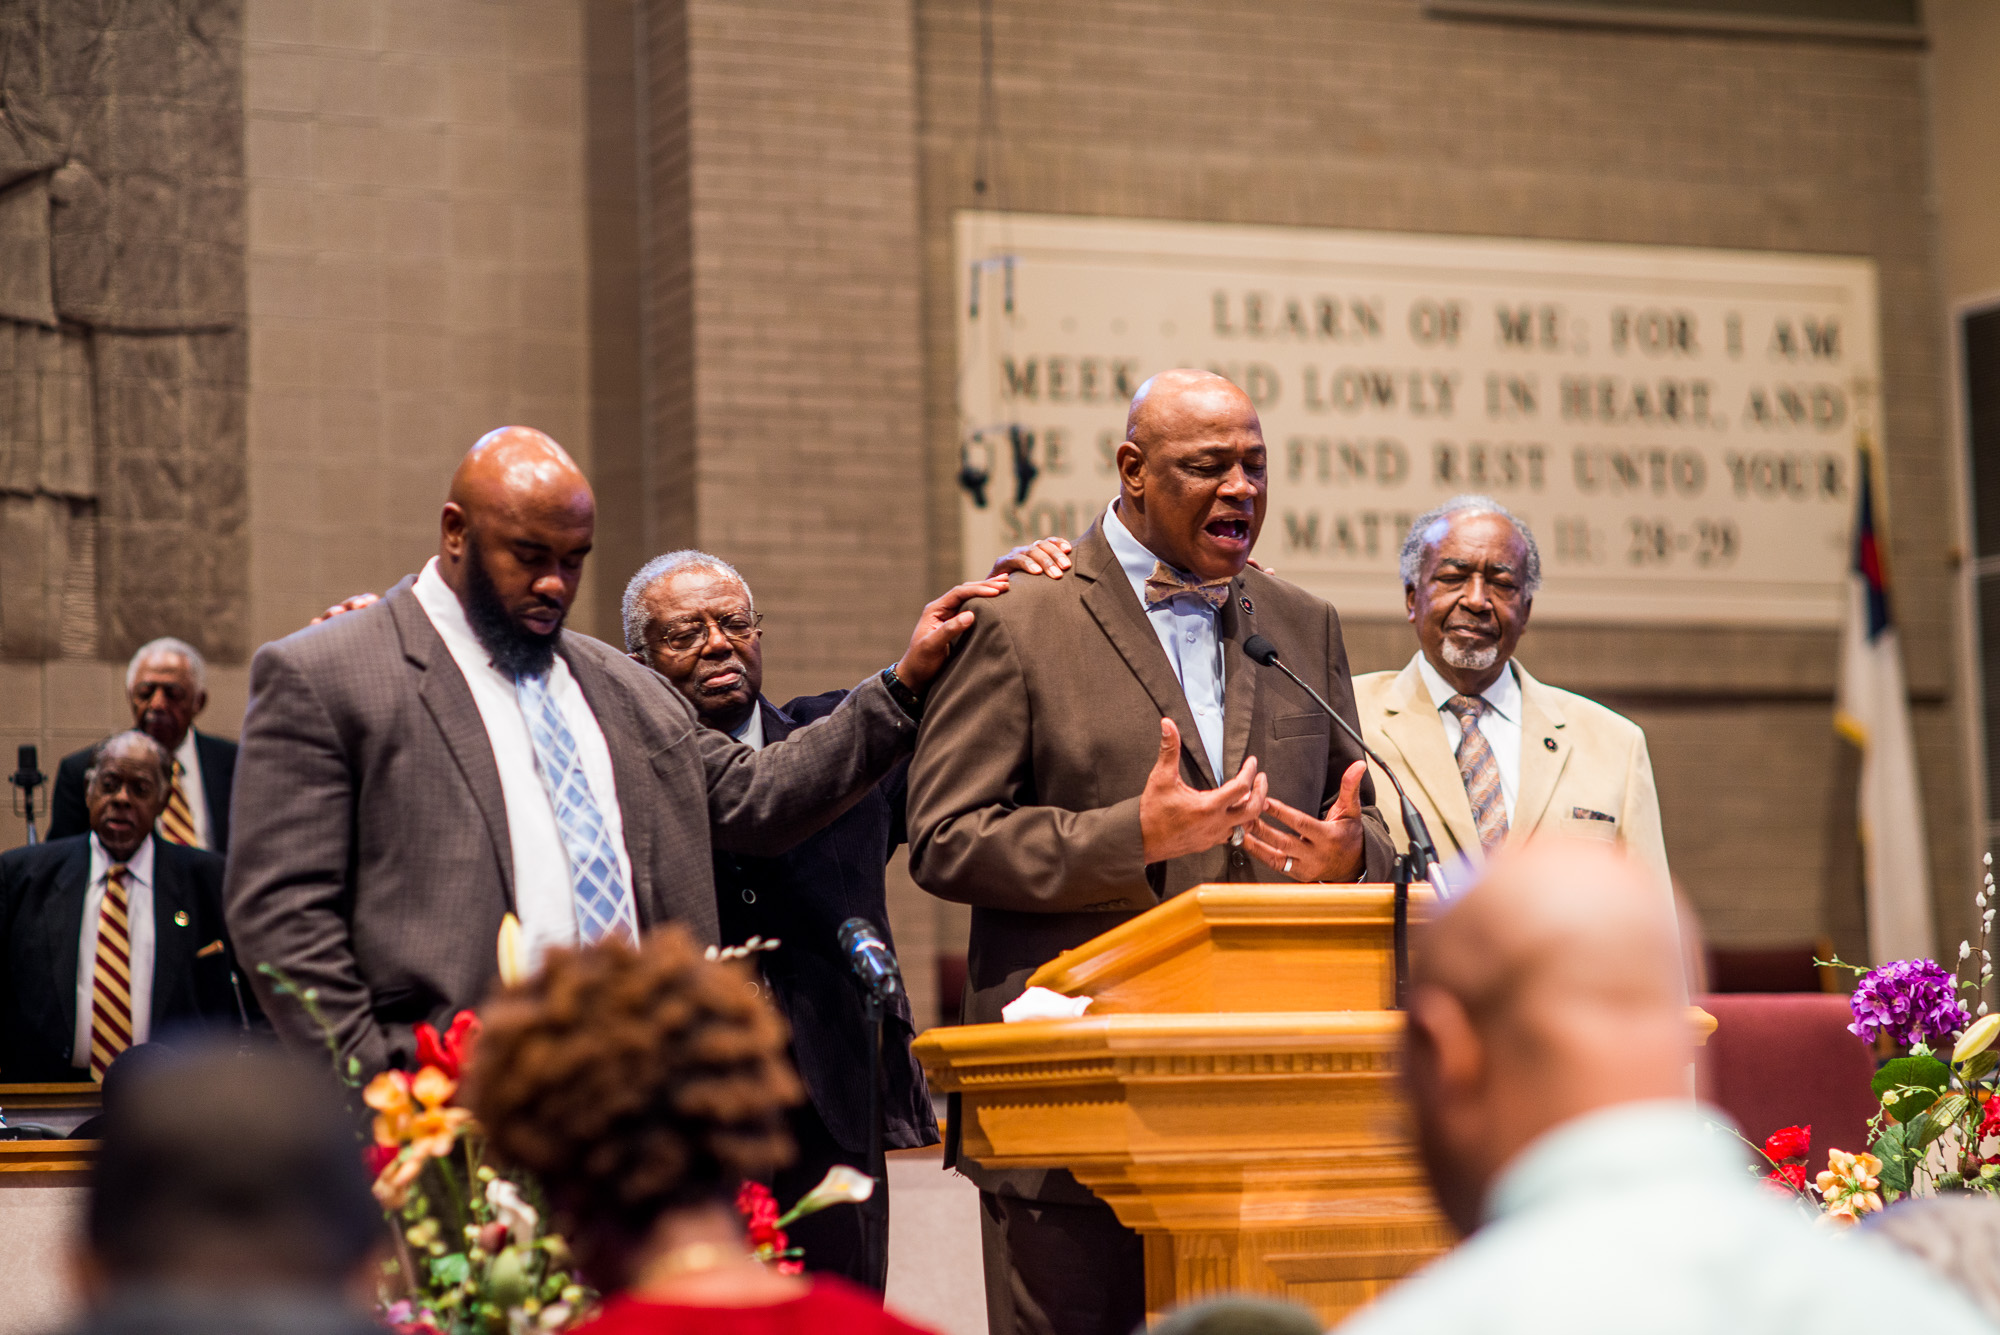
(1584, 770)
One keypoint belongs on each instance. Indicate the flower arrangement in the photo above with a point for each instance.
(1938, 1097)
(473, 1251)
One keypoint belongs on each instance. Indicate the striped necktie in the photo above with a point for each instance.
(1479, 770)
(111, 977)
(177, 821)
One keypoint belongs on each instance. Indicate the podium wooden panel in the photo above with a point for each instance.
(1232, 1093)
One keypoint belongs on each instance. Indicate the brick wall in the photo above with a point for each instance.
(782, 343)
(418, 271)
(1367, 114)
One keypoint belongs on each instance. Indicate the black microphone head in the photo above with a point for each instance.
(27, 759)
(1261, 650)
(857, 929)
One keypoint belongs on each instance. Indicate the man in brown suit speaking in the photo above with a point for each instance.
(412, 772)
(1052, 791)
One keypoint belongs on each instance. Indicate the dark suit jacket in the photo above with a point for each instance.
(68, 816)
(42, 889)
(371, 854)
(1036, 743)
(801, 898)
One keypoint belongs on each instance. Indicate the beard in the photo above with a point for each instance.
(516, 651)
(1470, 660)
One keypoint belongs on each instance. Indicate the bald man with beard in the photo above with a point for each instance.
(412, 772)
(1094, 748)
(1547, 1056)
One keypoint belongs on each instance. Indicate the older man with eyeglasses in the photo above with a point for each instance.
(691, 617)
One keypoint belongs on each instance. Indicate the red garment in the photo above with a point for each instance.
(830, 1307)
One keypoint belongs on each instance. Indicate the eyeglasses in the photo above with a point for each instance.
(682, 637)
(109, 783)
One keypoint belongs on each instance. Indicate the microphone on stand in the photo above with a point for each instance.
(875, 964)
(28, 776)
(870, 958)
(1417, 862)
(1423, 853)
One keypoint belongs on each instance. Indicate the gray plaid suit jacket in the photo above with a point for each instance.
(369, 853)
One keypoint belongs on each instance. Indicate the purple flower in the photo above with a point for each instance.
(1910, 1001)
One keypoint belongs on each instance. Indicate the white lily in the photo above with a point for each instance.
(519, 1216)
(1976, 1039)
(841, 1186)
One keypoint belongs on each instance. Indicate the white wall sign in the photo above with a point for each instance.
(1676, 425)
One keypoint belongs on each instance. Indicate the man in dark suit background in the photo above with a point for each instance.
(111, 937)
(691, 617)
(1051, 789)
(415, 771)
(167, 685)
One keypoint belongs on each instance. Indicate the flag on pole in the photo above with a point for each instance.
(1873, 712)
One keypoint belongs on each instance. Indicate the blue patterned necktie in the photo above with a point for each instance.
(603, 908)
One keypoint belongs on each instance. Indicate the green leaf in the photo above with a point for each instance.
(1909, 1085)
(1897, 1160)
(450, 1269)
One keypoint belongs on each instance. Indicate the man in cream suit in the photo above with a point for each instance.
(1490, 755)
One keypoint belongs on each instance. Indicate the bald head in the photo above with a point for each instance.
(512, 540)
(1191, 472)
(1551, 989)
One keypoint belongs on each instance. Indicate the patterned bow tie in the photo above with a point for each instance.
(1165, 582)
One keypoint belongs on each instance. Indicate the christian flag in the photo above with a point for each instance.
(1873, 712)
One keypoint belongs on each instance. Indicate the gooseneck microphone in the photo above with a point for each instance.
(1423, 853)
(870, 958)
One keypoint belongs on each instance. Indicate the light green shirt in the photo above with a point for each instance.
(1644, 1218)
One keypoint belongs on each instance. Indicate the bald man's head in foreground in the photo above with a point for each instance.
(1192, 473)
(511, 544)
(1551, 989)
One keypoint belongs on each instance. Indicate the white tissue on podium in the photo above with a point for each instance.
(1039, 1003)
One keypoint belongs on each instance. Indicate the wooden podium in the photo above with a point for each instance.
(1232, 1093)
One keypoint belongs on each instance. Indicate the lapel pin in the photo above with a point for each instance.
(180, 917)
(1248, 610)
(1549, 742)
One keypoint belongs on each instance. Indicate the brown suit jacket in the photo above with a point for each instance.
(1036, 743)
(370, 856)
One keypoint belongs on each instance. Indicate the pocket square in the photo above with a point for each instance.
(212, 948)
(1585, 813)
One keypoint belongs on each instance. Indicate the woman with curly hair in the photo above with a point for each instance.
(642, 1088)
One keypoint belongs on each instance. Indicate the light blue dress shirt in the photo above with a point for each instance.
(1187, 631)
(1645, 1218)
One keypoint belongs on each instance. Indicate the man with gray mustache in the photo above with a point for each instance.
(1489, 754)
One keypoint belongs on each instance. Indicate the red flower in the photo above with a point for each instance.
(1989, 1125)
(760, 1218)
(378, 1156)
(1787, 1177)
(1792, 1142)
(449, 1052)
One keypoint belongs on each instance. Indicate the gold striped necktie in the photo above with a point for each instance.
(177, 821)
(1479, 770)
(111, 981)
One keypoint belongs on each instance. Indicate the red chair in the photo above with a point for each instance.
(1786, 1059)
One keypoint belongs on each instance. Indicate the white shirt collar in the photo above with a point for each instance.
(446, 613)
(1503, 696)
(139, 866)
(751, 734)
